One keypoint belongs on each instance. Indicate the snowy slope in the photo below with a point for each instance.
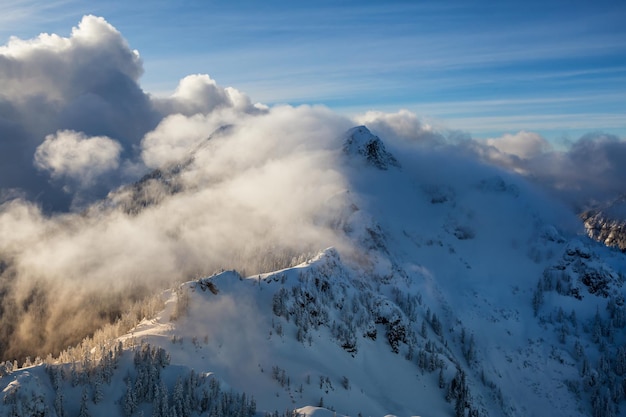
(463, 291)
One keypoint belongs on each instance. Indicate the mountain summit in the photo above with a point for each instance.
(360, 141)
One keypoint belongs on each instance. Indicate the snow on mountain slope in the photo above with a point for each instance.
(464, 291)
(282, 365)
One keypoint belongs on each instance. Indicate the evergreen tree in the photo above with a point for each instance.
(84, 411)
(178, 398)
(459, 407)
(436, 325)
(537, 298)
(470, 352)
(130, 401)
(157, 409)
(579, 351)
(58, 403)
(442, 382)
(98, 395)
(620, 361)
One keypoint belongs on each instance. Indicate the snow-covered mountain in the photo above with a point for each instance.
(454, 288)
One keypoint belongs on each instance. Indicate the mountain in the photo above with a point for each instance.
(455, 289)
(607, 223)
(360, 141)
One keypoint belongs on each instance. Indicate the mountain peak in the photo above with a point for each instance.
(360, 141)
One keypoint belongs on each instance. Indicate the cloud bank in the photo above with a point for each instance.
(590, 169)
(215, 180)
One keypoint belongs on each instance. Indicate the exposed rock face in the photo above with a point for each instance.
(603, 228)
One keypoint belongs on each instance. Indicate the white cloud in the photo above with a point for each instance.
(175, 137)
(60, 68)
(72, 155)
(522, 144)
(403, 125)
(199, 94)
(85, 82)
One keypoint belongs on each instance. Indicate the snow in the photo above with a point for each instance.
(442, 242)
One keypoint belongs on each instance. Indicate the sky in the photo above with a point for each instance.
(486, 68)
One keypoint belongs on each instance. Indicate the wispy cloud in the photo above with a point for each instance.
(547, 122)
(22, 17)
(413, 56)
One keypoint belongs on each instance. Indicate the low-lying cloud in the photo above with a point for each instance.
(523, 144)
(225, 183)
(252, 197)
(72, 155)
(591, 170)
(402, 126)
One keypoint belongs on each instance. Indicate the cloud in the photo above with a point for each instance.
(522, 144)
(89, 83)
(197, 108)
(60, 70)
(590, 169)
(593, 168)
(402, 125)
(252, 197)
(177, 135)
(199, 94)
(72, 155)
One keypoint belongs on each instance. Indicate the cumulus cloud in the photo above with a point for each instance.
(53, 82)
(56, 66)
(75, 156)
(86, 82)
(89, 83)
(199, 94)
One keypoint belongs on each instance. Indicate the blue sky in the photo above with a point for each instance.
(557, 68)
